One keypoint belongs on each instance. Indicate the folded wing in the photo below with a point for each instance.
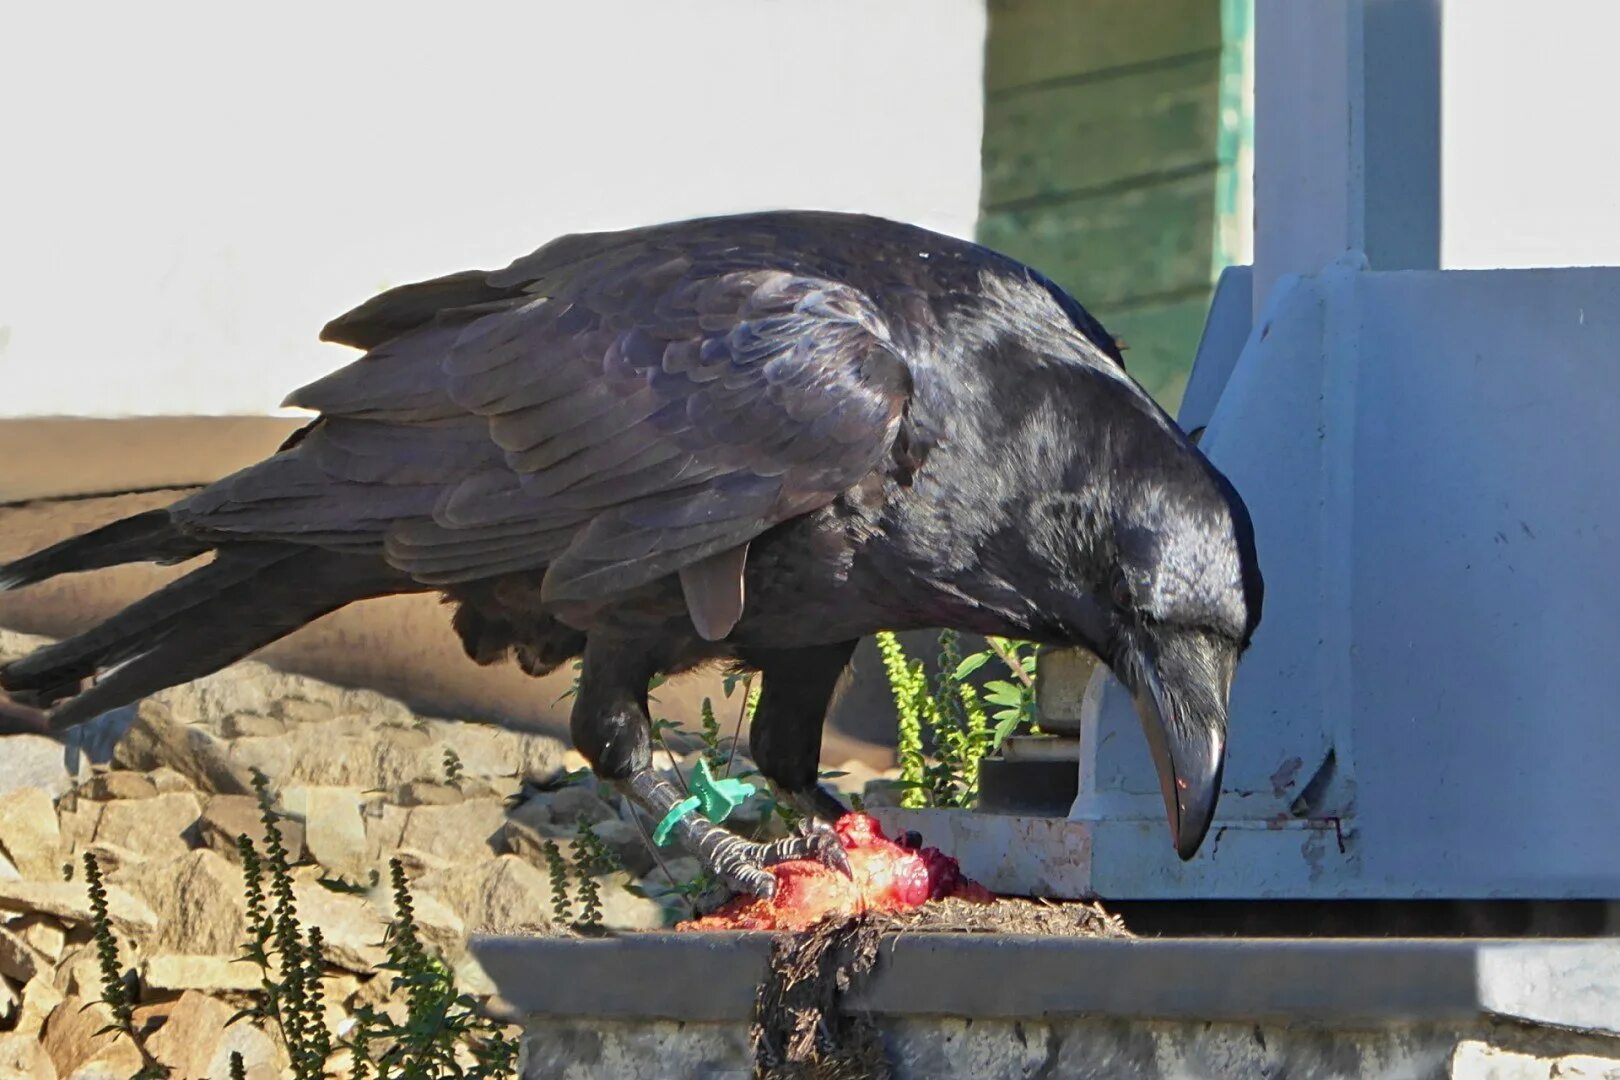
(615, 411)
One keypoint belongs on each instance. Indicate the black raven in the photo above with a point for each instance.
(751, 439)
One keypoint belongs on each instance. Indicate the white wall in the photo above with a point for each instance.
(188, 191)
(1530, 162)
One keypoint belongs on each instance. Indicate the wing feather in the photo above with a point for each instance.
(614, 407)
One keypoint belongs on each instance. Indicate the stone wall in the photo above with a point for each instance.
(951, 1048)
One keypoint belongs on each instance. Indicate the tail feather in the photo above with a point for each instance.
(248, 597)
(148, 537)
(132, 630)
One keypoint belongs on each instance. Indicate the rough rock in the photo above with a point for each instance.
(182, 971)
(23, 1058)
(20, 960)
(508, 895)
(623, 910)
(533, 812)
(29, 833)
(197, 1040)
(79, 973)
(76, 821)
(430, 793)
(37, 761)
(40, 997)
(1586, 1067)
(489, 751)
(674, 872)
(368, 752)
(493, 787)
(334, 834)
(471, 978)
(347, 751)
(70, 901)
(466, 832)
(626, 844)
(42, 934)
(156, 739)
(199, 901)
(575, 803)
(10, 999)
(155, 827)
(301, 711)
(108, 856)
(352, 928)
(338, 988)
(525, 842)
(436, 922)
(247, 725)
(226, 817)
(416, 864)
(166, 780)
(1476, 1059)
(79, 1045)
(504, 894)
(253, 687)
(119, 784)
(385, 824)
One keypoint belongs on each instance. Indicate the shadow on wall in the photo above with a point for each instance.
(401, 646)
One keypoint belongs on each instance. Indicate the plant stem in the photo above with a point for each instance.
(1012, 663)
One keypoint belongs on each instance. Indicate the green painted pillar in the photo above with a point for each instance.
(1115, 158)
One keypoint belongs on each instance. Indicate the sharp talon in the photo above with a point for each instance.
(823, 845)
(838, 859)
(829, 852)
(756, 882)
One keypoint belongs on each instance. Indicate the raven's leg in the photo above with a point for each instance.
(799, 688)
(610, 726)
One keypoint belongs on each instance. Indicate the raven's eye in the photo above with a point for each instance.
(1122, 592)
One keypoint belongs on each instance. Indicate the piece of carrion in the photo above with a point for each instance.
(886, 877)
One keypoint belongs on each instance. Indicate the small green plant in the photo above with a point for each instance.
(115, 992)
(590, 859)
(289, 960)
(453, 769)
(439, 1021)
(712, 750)
(1015, 700)
(659, 727)
(561, 909)
(912, 705)
(951, 715)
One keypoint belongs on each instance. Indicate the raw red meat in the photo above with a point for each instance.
(887, 876)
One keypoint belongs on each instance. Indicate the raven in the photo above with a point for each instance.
(750, 439)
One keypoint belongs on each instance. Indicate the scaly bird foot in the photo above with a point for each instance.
(743, 865)
(815, 840)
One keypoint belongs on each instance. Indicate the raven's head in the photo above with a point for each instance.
(1157, 567)
(1184, 596)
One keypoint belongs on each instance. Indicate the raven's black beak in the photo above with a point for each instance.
(1181, 695)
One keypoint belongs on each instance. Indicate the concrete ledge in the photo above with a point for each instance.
(1338, 982)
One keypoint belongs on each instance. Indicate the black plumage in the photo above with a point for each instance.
(752, 439)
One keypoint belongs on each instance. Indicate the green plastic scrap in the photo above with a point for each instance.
(715, 798)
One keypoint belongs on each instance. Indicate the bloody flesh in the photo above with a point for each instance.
(886, 876)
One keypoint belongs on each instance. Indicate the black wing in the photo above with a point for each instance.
(616, 410)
